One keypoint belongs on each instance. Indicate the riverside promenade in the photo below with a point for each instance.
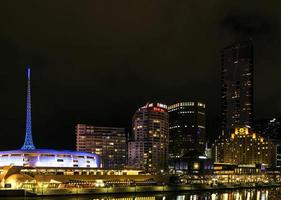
(128, 189)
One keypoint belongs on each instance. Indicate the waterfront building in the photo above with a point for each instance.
(187, 124)
(107, 142)
(244, 147)
(237, 86)
(192, 163)
(148, 148)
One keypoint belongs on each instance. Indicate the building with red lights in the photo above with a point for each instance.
(149, 146)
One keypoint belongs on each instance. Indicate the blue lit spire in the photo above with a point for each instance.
(28, 142)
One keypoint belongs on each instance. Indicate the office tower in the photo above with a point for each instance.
(187, 122)
(108, 142)
(237, 86)
(245, 147)
(149, 146)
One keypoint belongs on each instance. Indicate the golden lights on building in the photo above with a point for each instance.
(244, 147)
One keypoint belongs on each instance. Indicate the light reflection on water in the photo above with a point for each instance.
(249, 194)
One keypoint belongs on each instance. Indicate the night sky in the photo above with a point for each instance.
(98, 61)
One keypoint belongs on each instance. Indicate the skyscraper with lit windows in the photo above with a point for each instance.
(237, 86)
(187, 124)
(149, 146)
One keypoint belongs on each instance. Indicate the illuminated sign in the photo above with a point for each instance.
(158, 109)
(241, 131)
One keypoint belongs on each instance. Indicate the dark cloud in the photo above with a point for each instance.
(248, 24)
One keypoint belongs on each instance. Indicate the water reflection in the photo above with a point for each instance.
(249, 194)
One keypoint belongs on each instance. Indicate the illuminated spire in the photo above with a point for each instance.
(28, 142)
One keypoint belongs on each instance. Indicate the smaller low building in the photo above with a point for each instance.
(48, 178)
(230, 168)
(49, 158)
(192, 163)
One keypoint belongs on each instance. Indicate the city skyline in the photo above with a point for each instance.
(91, 71)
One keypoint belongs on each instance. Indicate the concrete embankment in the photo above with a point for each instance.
(131, 189)
(14, 193)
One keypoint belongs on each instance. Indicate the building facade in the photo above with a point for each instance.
(244, 147)
(237, 86)
(193, 165)
(271, 130)
(150, 140)
(187, 124)
(108, 142)
(278, 155)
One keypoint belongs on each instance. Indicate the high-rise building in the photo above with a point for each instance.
(187, 124)
(108, 142)
(149, 146)
(237, 86)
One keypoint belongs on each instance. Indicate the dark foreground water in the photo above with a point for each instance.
(248, 194)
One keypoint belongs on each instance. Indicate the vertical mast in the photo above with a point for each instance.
(28, 142)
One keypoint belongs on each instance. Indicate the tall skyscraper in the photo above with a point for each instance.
(237, 86)
(149, 146)
(187, 123)
(108, 142)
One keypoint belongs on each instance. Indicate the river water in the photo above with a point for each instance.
(247, 194)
